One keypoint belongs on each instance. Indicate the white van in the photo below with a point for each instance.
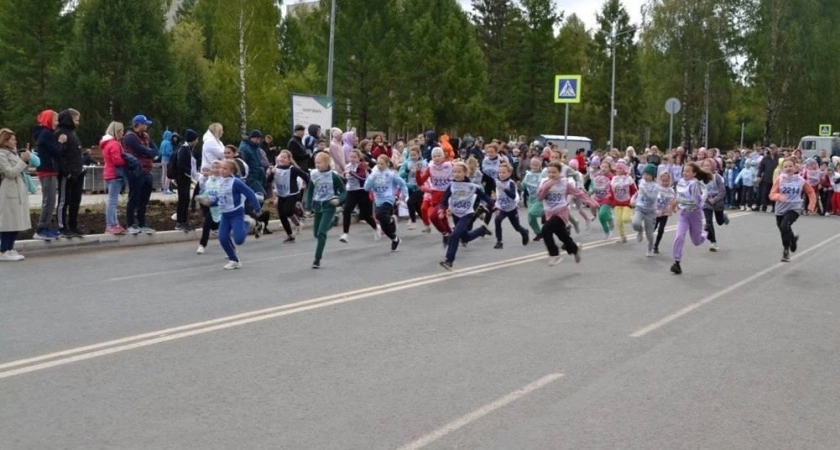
(812, 145)
(574, 142)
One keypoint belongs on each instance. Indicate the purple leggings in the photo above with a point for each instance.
(690, 222)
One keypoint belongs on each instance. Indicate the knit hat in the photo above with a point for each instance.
(574, 164)
(621, 165)
(190, 135)
(255, 134)
(595, 161)
(650, 169)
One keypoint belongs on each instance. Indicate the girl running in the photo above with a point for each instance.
(507, 206)
(553, 192)
(325, 191)
(286, 176)
(644, 217)
(458, 200)
(602, 193)
(812, 175)
(357, 172)
(574, 174)
(386, 186)
(665, 195)
(414, 164)
(531, 182)
(689, 201)
(439, 173)
(787, 193)
(715, 204)
(228, 198)
(623, 188)
(208, 185)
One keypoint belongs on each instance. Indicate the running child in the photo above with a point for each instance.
(458, 200)
(689, 202)
(357, 173)
(787, 193)
(713, 207)
(385, 185)
(602, 193)
(623, 188)
(286, 176)
(553, 192)
(665, 195)
(531, 182)
(408, 171)
(229, 199)
(323, 195)
(507, 206)
(439, 173)
(208, 187)
(644, 217)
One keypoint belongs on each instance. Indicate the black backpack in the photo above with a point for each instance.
(172, 165)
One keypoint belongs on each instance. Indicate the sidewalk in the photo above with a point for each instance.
(94, 199)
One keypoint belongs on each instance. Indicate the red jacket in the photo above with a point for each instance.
(112, 154)
(379, 149)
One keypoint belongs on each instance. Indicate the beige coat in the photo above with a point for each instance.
(14, 198)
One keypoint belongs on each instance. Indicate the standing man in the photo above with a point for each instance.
(765, 177)
(138, 143)
(251, 153)
(297, 148)
(71, 174)
(186, 173)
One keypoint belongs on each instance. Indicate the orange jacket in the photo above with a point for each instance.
(448, 151)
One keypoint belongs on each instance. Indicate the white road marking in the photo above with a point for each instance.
(481, 412)
(660, 323)
(68, 356)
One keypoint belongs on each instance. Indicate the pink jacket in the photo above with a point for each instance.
(112, 155)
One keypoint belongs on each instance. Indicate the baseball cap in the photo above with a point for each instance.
(141, 119)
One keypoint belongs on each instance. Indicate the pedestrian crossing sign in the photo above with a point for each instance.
(567, 89)
(825, 130)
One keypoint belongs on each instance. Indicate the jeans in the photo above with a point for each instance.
(69, 200)
(49, 191)
(7, 240)
(784, 222)
(232, 223)
(114, 188)
(139, 193)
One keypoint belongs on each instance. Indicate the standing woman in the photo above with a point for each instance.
(114, 173)
(165, 154)
(212, 148)
(14, 197)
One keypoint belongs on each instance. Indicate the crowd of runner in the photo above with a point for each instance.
(462, 188)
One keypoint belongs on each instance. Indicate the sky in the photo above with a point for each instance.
(586, 9)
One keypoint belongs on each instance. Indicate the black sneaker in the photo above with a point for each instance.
(289, 240)
(499, 246)
(525, 238)
(446, 265)
(487, 231)
(445, 240)
(258, 229)
(786, 256)
(316, 264)
(266, 230)
(395, 244)
(794, 243)
(538, 238)
(75, 232)
(676, 269)
(655, 250)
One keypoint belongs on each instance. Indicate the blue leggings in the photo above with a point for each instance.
(233, 222)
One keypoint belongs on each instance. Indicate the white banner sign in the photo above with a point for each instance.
(312, 109)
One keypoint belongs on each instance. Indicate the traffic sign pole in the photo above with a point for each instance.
(566, 130)
(672, 106)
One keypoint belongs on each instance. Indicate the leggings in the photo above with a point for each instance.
(286, 207)
(623, 214)
(605, 217)
(689, 222)
(661, 222)
(385, 216)
(719, 217)
(513, 217)
(359, 198)
(556, 227)
(441, 224)
(232, 223)
(784, 222)
(324, 213)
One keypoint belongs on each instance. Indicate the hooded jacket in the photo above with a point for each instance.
(431, 143)
(311, 139)
(166, 147)
(336, 152)
(348, 140)
(70, 160)
(112, 156)
(298, 151)
(448, 151)
(250, 153)
(46, 145)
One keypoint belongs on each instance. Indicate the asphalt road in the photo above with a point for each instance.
(157, 347)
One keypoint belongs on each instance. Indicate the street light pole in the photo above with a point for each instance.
(613, 37)
(332, 52)
(708, 88)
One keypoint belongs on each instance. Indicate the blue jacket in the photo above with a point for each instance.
(166, 147)
(238, 190)
(47, 147)
(250, 153)
(384, 186)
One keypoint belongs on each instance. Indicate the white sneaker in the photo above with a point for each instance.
(412, 226)
(200, 250)
(377, 233)
(11, 255)
(554, 260)
(649, 253)
(640, 236)
(714, 247)
(231, 265)
(343, 238)
(134, 231)
(148, 230)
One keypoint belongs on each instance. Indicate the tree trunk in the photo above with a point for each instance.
(243, 112)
